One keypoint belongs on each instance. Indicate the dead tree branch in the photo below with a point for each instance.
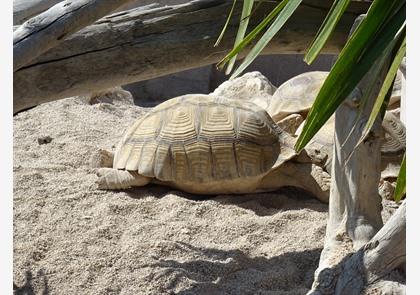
(146, 43)
(49, 28)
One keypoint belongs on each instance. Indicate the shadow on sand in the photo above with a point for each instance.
(27, 288)
(234, 272)
(263, 204)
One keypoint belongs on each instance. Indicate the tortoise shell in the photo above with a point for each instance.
(296, 95)
(201, 138)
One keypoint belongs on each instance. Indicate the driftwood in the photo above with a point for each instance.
(146, 43)
(365, 271)
(355, 206)
(49, 28)
(25, 9)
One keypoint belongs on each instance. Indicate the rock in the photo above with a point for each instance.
(114, 95)
(249, 86)
(44, 140)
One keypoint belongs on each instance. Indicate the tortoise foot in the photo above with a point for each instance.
(104, 178)
(114, 179)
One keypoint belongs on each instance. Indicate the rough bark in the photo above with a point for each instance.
(142, 44)
(355, 206)
(49, 28)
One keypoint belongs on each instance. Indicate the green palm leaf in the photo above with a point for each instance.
(281, 19)
(246, 12)
(400, 188)
(389, 79)
(374, 35)
(251, 36)
(327, 27)
(226, 24)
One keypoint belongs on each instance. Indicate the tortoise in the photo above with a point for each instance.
(208, 144)
(290, 104)
(296, 96)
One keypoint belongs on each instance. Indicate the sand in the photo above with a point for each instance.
(70, 238)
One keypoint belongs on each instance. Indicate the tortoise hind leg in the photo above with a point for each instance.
(119, 179)
(307, 176)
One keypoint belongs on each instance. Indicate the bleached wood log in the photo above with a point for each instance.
(49, 28)
(366, 269)
(143, 43)
(386, 250)
(25, 9)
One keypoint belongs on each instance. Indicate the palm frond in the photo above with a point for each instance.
(400, 188)
(384, 20)
(326, 29)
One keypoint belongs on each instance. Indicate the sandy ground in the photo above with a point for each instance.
(70, 238)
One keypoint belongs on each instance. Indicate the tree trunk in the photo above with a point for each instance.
(142, 44)
(49, 28)
(355, 206)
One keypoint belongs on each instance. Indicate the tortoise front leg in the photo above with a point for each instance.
(307, 176)
(119, 179)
